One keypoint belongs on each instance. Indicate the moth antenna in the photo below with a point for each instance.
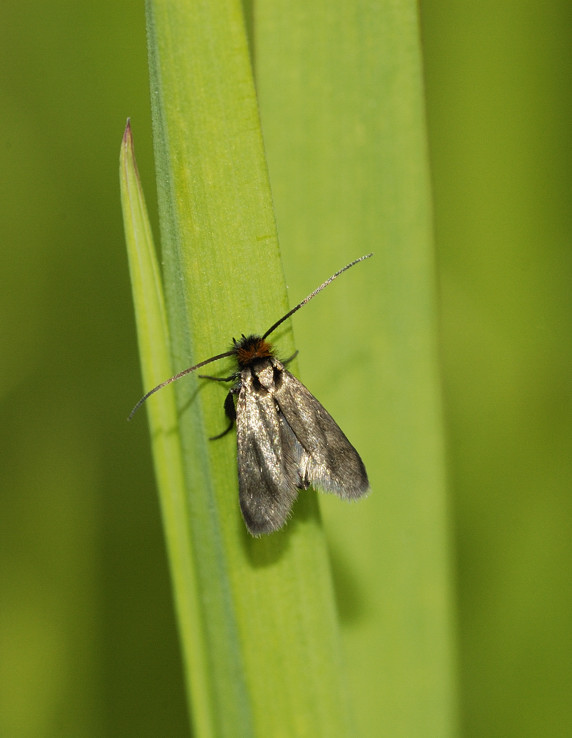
(313, 294)
(177, 376)
(231, 353)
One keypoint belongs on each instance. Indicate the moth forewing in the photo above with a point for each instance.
(330, 461)
(267, 472)
(287, 441)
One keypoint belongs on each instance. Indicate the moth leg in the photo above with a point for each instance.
(230, 412)
(290, 358)
(217, 379)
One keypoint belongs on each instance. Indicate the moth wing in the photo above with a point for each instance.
(328, 461)
(268, 457)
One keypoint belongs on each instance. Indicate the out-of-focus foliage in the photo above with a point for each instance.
(498, 89)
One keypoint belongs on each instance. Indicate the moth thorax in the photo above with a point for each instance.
(266, 376)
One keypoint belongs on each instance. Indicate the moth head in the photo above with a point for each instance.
(250, 349)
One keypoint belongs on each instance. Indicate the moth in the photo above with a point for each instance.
(286, 440)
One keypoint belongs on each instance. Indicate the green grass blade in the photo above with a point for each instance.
(341, 97)
(153, 336)
(257, 617)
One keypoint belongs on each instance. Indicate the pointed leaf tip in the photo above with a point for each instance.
(128, 135)
(127, 153)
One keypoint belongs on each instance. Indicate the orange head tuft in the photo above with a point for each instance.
(251, 348)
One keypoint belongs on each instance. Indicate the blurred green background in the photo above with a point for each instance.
(88, 644)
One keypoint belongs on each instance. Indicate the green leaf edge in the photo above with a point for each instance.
(153, 337)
